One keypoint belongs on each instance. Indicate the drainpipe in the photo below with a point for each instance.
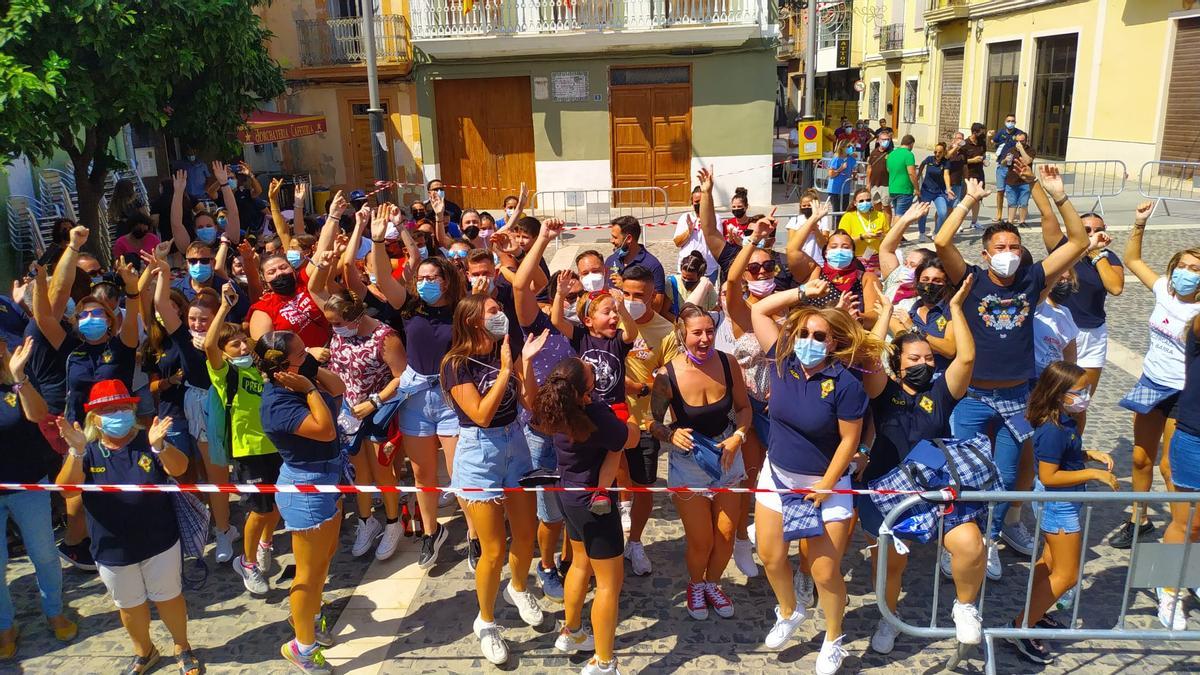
(374, 112)
(810, 81)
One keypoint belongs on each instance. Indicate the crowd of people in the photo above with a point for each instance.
(378, 344)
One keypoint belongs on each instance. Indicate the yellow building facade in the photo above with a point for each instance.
(1088, 79)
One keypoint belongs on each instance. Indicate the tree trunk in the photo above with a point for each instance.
(90, 187)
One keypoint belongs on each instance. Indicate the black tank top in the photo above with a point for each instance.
(710, 420)
(1187, 409)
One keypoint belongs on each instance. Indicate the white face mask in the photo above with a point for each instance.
(198, 339)
(761, 288)
(1005, 263)
(636, 308)
(907, 274)
(571, 312)
(592, 282)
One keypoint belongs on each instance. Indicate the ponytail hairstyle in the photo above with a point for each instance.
(271, 352)
(558, 408)
(467, 336)
(688, 312)
(1046, 400)
(348, 305)
(742, 194)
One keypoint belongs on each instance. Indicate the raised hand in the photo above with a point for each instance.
(300, 193)
(705, 178)
(220, 173)
(78, 236)
(158, 430)
(1141, 215)
(363, 216)
(379, 221)
(294, 382)
(915, 212)
(960, 296)
(438, 204)
(19, 357)
(618, 296)
(506, 358)
(179, 181)
(822, 209)
(565, 278)
(128, 275)
(229, 295)
(552, 228)
(72, 433)
(1052, 182)
(273, 190)
(534, 344)
(163, 249)
(977, 189)
(1098, 241)
(502, 243)
(815, 288)
(338, 206)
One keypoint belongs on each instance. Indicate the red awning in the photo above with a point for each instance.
(263, 126)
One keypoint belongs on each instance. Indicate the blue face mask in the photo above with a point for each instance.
(206, 234)
(93, 327)
(200, 272)
(1010, 125)
(886, 144)
(863, 207)
(1185, 282)
(117, 424)
(849, 152)
(222, 221)
(294, 258)
(232, 183)
(424, 252)
(242, 361)
(70, 307)
(839, 258)
(430, 291)
(809, 352)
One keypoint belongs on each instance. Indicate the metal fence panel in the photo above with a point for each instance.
(1093, 179)
(1175, 181)
(598, 207)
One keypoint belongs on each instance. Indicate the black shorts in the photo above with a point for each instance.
(643, 460)
(258, 470)
(602, 536)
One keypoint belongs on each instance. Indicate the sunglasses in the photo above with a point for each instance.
(91, 314)
(458, 254)
(818, 335)
(770, 266)
(572, 297)
(199, 261)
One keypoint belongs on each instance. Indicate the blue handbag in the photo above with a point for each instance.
(707, 455)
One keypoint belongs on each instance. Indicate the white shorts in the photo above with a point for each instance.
(833, 509)
(195, 407)
(1091, 347)
(159, 578)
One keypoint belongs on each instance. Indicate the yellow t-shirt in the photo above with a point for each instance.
(867, 230)
(652, 349)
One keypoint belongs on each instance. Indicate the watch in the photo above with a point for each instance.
(645, 390)
(864, 449)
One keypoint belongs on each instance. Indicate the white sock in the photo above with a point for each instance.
(305, 649)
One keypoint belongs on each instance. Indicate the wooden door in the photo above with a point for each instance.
(1181, 135)
(485, 138)
(951, 99)
(361, 168)
(651, 140)
(895, 78)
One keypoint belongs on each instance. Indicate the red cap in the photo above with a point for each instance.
(109, 392)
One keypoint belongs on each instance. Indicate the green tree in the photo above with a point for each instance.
(73, 73)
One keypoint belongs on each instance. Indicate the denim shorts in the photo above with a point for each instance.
(684, 471)
(309, 511)
(1058, 516)
(1185, 460)
(490, 458)
(543, 456)
(426, 413)
(1017, 196)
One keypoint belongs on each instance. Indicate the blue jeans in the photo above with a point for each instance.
(31, 512)
(900, 204)
(960, 191)
(972, 416)
(940, 206)
(543, 456)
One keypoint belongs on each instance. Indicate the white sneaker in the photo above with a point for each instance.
(526, 604)
(968, 627)
(743, 557)
(784, 627)
(883, 641)
(635, 553)
(831, 657)
(252, 577)
(1018, 537)
(594, 667)
(491, 643)
(265, 555)
(626, 509)
(225, 544)
(1171, 612)
(392, 533)
(364, 536)
(944, 564)
(805, 589)
(579, 641)
(993, 561)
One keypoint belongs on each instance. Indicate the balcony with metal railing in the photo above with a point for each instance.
(578, 25)
(341, 42)
(937, 11)
(891, 40)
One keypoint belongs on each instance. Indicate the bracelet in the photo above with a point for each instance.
(71, 452)
(375, 401)
(310, 391)
(378, 241)
(134, 294)
(740, 434)
(1060, 202)
(73, 249)
(864, 449)
(158, 451)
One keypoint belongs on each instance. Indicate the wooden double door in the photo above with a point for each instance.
(652, 140)
(485, 138)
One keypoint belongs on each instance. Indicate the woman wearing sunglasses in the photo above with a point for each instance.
(817, 406)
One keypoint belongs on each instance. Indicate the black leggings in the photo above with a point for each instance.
(602, 536)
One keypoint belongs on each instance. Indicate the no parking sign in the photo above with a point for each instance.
(810, 141)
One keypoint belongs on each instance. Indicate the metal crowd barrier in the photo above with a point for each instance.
(1093, 179)
(580, 208)
(821, 175)
(1175, 181)
(1151, 565)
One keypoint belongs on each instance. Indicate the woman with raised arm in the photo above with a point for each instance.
(899, 276)
(1156, 395)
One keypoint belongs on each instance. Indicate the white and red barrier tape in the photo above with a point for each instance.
(268, 488)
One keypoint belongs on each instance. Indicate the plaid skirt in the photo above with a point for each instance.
(1148, 395)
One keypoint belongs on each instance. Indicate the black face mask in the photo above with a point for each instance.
(930, 294)
(739, 213)
(418, 215)
(140, 231)
(1061, 291)
(918, 377)
(284, 284)
(691, 285)
(696, 208)
(309, 367)
(471, 231)
(806, 211)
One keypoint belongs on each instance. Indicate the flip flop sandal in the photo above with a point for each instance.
(6, 653)
(189, 663)
(142, 664)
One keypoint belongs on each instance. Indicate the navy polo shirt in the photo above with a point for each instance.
(47, 366)
(934, 324)
(1001, 320)
(805, 414)
(89, 364)
(1005, 139)
(1060, 444)
(615, 263)
(1087, 303)
(282, 413)
(428, 333)
(127, 527)
(27, 455)
(903, 420)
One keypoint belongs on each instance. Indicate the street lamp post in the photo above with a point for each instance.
(374, 112)
(810, 80)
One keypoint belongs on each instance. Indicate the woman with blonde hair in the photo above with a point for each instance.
(817, 406)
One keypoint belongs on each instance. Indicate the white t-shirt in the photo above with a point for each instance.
(1164, 363)
(810, 245)
(690, 222)
(1053, 329)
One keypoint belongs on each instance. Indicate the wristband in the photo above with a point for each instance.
(378, 241)
(375, 401)
(158, 451)
(71, 452)
(1060, 202)
(864, 449)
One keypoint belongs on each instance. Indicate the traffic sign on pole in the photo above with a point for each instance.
(810, 141)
